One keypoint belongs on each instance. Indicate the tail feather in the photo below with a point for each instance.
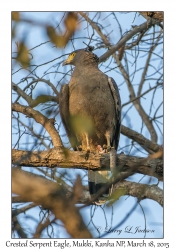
(97, 179)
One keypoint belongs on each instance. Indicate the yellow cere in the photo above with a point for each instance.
(71, 56)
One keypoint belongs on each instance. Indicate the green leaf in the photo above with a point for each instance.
(23, 55)
(15, 16)
(116, 195)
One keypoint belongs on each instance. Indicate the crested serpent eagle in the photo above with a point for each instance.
(90, 109)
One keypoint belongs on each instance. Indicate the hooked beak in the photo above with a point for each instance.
(65, 62)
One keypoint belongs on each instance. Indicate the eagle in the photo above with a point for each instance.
(90, 109)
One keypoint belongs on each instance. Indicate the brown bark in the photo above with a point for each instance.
(50, 195)
(64, 158)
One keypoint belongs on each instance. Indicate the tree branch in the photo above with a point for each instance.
(144, 93)
(33, 103)
(64, 158)
(141, 191)
(17, 211)
(123, 40)
(17, 226)
(41, 226)
(147, 65)
(38, 136)
(128, 36)
(21, 93)
(96, 28)
(49, 195)
(39, 118)
(148, 145)
(136, 102)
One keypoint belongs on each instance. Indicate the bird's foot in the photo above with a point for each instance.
(79, 148)
(101, 201)
(106, 148)
(100, 149)
(103, 150)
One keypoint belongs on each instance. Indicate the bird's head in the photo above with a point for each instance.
(81, 57)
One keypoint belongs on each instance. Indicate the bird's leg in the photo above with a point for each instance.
(87, 142)
(88, 146)
(108, 147)
(105, 148)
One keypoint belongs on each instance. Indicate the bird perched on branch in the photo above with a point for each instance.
(90, 109)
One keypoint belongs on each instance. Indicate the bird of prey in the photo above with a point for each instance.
(90, 109)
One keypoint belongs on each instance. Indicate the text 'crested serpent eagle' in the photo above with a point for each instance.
(90, 109)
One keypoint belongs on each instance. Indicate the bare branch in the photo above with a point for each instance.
(128, 36)
(18, 228)
(148, 145)
(15, 212)
(22, 93)
(136, 42)
(64, 158)
(141, 191)
(144, 93)
(136, 102)
(33, 103)
(147, 65)
(41, 226)
(38, 136)
(48, 83)
(95, 27)
(39, 118)
(49, 195)
(139, 29)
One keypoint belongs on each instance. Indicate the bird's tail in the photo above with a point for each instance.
(96, 180)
